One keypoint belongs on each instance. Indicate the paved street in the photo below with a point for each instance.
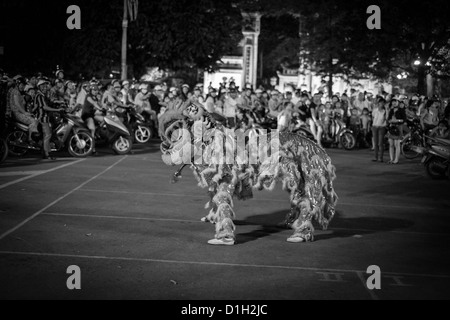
(136, 236)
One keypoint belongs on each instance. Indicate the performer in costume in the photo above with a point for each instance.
(304, 169)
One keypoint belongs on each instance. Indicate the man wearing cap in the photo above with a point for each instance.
(42, 104)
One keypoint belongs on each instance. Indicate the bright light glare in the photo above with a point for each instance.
(417, 62)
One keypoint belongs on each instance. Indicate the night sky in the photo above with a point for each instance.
(31, 31)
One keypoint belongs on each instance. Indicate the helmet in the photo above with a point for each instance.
(42, 82)
(58, 71)
(19, 79)
(28, 87)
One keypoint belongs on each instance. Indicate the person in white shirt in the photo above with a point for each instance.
(81, 97)
(229, 108)
(126, 95)
(361, 103)
(379, 117)
(210, 103)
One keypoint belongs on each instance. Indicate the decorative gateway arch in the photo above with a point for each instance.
(241, 67)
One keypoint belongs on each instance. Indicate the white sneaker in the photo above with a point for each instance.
(295, 239)
(222, 242)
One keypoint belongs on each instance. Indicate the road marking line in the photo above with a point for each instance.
(38, 173)
(59, 199)
(262, 199)
(237, 221)
(245, 265)
(20, 173)
(118, 217)
(364, 283)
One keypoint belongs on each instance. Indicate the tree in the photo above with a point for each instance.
(174, 34)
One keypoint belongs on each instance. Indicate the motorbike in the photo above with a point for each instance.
(67, 132)
(141, 130)
(114, 133)
(339, 134)
(436, 158)
(415, 138)
(3, 150)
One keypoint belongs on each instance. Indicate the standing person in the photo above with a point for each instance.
(156, 96)
(314, 123)
(91, 111)
(229, 108)
(41, 102)
(395, 119)
(379, 129)
(361, 103)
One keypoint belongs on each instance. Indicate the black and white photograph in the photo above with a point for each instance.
(224, 155)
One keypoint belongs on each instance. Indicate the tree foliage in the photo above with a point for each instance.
(173, 34)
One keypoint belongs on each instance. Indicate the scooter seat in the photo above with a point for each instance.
(443, 141)
(22, 126)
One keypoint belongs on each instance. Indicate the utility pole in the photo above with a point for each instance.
(124, 40)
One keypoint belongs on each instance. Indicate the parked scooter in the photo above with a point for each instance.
(67, 132)
(114, 133)
(436, 158)
(415, 138)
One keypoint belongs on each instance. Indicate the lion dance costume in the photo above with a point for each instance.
(304, 169)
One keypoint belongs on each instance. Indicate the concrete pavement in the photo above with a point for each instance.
(136, 236)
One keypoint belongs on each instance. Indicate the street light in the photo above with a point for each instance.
(417, 63)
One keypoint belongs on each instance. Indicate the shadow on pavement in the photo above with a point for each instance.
(340, 227)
